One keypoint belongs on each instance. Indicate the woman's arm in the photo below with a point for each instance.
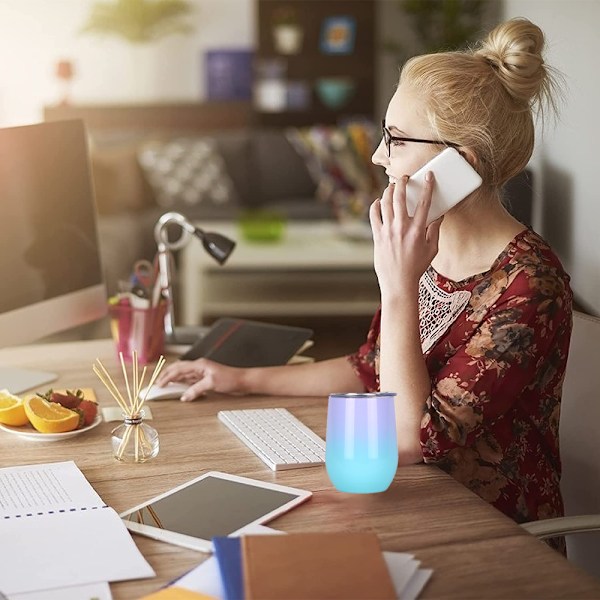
(404, 247)
(309, 379)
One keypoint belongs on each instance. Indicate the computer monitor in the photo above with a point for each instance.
(51, 277)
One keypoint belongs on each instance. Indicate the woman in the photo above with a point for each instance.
(475, 318)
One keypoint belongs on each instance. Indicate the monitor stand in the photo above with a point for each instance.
(17, 380)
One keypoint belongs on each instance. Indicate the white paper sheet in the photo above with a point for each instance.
(416, 584)
(401, 567)
(42, 488)
(90, 591)
(50, 516)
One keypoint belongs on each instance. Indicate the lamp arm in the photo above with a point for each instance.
(217, 245)
(165, 246)
(160, 230)
(165, 275)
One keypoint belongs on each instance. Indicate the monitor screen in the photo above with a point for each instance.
(50, 265)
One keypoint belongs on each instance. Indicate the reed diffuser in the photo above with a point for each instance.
(133, 440)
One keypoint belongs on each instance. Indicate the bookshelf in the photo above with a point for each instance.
(316, 59)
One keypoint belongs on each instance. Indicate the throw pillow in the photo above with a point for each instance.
(339, 160)
(187, 173)
(119, 182)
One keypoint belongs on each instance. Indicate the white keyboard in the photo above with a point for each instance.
(278, 438)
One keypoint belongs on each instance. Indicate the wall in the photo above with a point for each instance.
(568, 194)
(34, 34)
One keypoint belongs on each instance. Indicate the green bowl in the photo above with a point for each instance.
(262, 226)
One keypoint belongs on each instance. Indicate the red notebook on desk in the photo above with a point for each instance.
(244, 343)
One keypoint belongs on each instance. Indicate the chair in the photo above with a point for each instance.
(580, 450)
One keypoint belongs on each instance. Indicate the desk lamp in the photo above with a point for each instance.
(217, 245)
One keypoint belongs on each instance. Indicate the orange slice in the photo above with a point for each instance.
(50, 417)
(12, 410)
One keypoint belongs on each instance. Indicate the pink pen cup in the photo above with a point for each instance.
(138, 330)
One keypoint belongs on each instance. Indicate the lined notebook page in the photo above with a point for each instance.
(38, 489)
(51, 517)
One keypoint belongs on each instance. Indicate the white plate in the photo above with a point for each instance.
(29, 433)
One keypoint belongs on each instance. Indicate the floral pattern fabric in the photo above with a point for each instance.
(491, 420)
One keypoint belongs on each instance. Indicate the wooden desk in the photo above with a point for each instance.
(474, 550)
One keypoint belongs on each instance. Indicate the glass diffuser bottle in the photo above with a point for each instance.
(134, 440)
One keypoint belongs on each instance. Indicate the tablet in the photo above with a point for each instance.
(214, 504)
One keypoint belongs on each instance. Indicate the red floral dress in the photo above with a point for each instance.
(491, 420)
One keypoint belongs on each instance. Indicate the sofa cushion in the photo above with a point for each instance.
(187, 174)
(282, 173)
(119, 182)
(339, 159)
(235, 148)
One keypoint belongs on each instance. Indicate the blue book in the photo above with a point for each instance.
(229, 74)
(228, 552)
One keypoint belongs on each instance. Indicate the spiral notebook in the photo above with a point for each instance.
(51, 517)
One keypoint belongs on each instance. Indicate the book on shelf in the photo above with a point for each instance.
(51, 517)
(245, 343)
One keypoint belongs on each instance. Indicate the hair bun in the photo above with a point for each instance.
(514, 51)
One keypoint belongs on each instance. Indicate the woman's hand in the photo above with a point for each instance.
(204, 376)
(404, 246)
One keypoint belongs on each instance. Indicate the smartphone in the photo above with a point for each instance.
(455, 179)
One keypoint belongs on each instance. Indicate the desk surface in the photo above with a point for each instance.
(474, 550)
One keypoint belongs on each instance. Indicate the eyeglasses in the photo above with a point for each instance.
(388, 138)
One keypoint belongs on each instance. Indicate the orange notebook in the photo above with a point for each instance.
(311, 566)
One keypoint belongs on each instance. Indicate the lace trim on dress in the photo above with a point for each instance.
(438, 309)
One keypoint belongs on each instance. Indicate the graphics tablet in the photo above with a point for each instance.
(214, 504)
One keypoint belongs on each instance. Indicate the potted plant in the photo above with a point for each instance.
(139, 21)
(287, 31)
(440, 25)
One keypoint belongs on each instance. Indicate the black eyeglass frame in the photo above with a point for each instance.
(388, 138)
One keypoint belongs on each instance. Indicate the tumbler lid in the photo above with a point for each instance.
(363, 394)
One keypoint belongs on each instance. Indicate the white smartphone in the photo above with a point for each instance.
(455, 179)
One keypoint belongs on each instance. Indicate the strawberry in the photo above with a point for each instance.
(69, 399)
(88, 411)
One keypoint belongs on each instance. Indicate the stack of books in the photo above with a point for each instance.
(300, 566)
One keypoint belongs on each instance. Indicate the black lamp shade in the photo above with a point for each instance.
(217, 245)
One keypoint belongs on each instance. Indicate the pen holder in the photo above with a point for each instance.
(361, 450)
(134, 440)
(139, 330)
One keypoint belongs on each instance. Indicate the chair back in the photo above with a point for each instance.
(580, 438)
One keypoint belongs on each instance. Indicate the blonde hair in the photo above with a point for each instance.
(484, 98)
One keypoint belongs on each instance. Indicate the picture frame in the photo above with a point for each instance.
(338, 34)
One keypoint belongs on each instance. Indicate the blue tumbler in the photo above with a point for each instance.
(361, 452)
